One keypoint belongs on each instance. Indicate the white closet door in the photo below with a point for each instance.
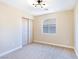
(26, 32)
(25, 28)
(30, 32)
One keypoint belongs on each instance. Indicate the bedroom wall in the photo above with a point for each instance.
(76, 28)
(10, 28)
(64, 29)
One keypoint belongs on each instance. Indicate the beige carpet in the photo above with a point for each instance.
(40, 51)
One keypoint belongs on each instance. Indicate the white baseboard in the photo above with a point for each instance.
(7, 52)
(76, 52)
(55, 44)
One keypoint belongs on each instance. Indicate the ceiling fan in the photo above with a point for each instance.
(39, 3)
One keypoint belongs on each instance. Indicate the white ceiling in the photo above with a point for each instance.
(52, 5)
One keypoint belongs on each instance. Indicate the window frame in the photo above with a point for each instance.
(48, 25)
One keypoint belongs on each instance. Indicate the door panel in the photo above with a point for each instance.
(30, 32)
(25, 32)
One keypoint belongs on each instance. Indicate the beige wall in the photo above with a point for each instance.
(76, 28)
(10, 28)
(64, 29)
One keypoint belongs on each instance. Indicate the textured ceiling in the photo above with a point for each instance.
(51, 5)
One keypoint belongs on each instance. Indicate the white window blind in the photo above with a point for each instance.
(49, 26)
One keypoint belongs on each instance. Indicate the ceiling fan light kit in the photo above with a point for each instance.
(39, 3)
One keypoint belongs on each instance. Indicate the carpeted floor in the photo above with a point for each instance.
(40, 51)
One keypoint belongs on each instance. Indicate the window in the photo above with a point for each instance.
(49, 26)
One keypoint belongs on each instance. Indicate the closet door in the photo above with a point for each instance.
(30, 31)
(25, 32)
